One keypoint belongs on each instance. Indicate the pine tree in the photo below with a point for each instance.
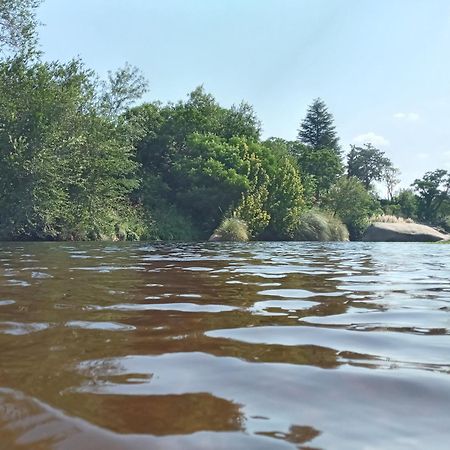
(317, 129)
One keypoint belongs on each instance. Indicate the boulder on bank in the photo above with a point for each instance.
(402, 232)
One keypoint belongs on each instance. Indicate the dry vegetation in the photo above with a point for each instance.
(386, 218)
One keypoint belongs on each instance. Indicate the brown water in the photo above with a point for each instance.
(224, 346)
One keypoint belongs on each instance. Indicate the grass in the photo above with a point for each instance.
(231, 229)
(386, 218)
(316, 225)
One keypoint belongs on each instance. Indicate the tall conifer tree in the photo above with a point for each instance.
(317, 129)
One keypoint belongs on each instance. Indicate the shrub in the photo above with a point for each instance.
(349, 200)
(316, 225)
(231, 229)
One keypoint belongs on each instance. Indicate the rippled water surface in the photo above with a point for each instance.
(224, 346)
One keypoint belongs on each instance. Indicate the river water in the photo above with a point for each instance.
(224, 346)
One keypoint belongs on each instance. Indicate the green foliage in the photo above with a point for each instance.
(322, 166)
(252, 206)
(209, 163)
(163, 220)
(172, 124)
(349, 200)
(66, 169)
(433, 192)
(166, 223)
(369, 164)
(408, 203)
(241, 120)
(186, 146)
(316, 225)
(251, 209)
(317, 129)
(285, 201)
(210, 177)
(391, 178)
(317, 151)
(18, 26)
(123, 87)
(232, 229)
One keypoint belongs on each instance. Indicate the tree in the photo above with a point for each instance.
(352, 203)
(392, 180)
(66, 169)
(210, 178)
(323, 166)
(408, 204)
(285, 199)
(215, 176)
(202, 161)
(368, 164)
(433, 189)
(317, 129)
(166, 128)
(176, 137)
(18, 26)
(123, 87)
(241, 120)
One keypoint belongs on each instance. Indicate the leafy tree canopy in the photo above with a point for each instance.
(433, 189)
(66, 169)
(408, 203)
(323, 166)
(368, 164)
(18, 26)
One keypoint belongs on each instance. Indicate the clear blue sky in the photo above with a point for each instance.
(382, 66)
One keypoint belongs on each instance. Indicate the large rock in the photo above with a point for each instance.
(402, 232)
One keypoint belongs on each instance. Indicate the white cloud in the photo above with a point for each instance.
(371, 138)
(423, 155)
(408, 117)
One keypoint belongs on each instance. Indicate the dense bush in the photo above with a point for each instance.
(353, 204)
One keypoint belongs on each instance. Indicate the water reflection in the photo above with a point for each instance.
(262, 345)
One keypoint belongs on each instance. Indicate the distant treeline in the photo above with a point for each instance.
(79, 161)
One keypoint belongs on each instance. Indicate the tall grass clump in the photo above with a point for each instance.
(316, 225)
(231, 229)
